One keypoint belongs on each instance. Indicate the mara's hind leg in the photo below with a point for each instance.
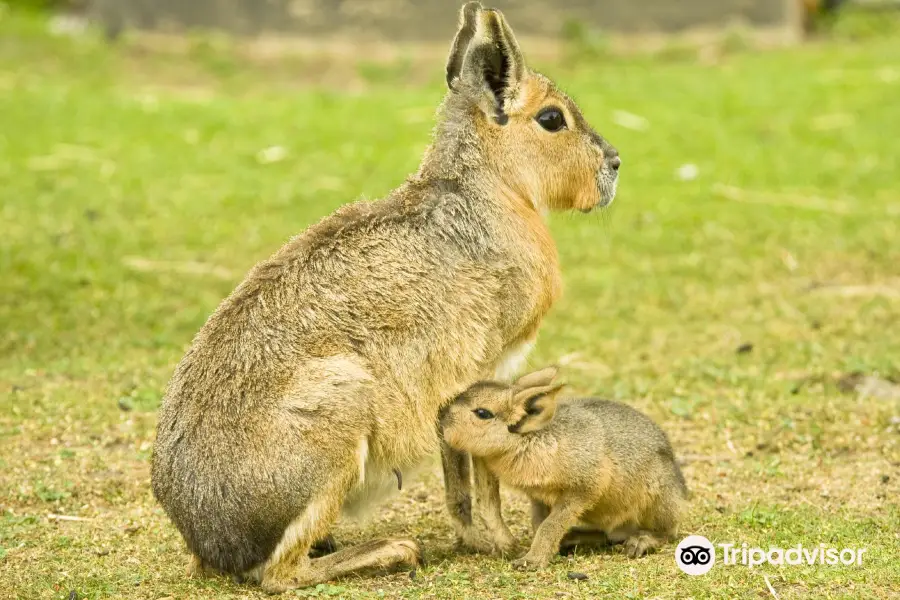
(657, 526)
(298, 571)
(291, 567)
(374, 555)
(197, 567)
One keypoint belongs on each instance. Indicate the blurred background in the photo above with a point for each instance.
(426, 20)
(743, 290)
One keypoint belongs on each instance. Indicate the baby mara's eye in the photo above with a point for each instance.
(483, 413)
(551, 119)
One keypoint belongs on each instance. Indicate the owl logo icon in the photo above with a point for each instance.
(695, 555)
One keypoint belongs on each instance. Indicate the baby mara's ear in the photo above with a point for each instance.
(544, 376)
(485, 58)
(538, 406)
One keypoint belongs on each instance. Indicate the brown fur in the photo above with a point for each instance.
(325, 369)
(594, 470)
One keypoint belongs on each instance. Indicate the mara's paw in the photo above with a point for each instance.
(410, 553)
(639, 545)
(530, 563)
(485, 542)
(504, 543)
(474, 541)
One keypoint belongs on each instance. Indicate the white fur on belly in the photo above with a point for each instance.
(512, 361)
(362, 455)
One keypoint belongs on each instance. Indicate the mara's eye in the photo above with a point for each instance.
(483, 413)
(551, 119)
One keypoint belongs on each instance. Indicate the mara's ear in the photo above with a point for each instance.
(485, 55)
(539, 406)
(537, 378)
(468, 15)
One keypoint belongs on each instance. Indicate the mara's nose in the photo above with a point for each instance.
(612, 155)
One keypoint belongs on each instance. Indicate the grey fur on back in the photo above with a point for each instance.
(633, 437)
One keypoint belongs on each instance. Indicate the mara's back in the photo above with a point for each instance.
(600, 430)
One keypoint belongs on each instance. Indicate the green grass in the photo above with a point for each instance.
(133, 199)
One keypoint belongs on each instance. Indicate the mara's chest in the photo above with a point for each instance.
(544, 261)
(531, 248)
(537, 476)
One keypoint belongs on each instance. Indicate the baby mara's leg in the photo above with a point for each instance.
(583, 537)
(578, 536)
(562, 518)
(539, 512)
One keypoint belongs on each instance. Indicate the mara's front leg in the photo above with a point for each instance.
(479, 525)
(475, 530)
(478, 521)
(487, 496)
(487, 487)
(458, 491)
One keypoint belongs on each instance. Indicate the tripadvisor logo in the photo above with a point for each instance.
(696, 555)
